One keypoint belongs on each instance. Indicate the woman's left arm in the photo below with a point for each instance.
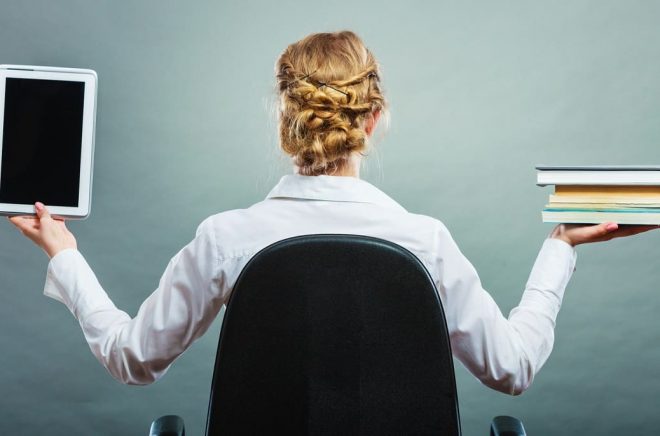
(505, 353)
(134, 350)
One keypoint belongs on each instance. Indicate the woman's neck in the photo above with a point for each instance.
(350, 169)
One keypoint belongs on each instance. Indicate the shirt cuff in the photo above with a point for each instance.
(70, 280)
(56, 267)
(554, 267)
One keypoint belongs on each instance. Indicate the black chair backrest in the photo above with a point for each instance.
(336, 335)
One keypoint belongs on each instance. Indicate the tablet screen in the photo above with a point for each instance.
(41, 141)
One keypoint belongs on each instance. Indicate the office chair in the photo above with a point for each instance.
(334, 335)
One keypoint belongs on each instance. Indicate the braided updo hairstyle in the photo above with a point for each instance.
(329, 85)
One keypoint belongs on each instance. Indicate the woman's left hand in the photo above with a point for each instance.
(575, 234)
(47, 232)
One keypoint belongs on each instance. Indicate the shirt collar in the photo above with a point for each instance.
(331, 188)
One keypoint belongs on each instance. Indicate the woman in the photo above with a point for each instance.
(331, 101)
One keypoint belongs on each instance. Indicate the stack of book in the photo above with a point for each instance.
(596, 194)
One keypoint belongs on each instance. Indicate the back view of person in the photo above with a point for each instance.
(330, 102)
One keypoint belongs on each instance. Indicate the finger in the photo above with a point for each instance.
(24, 222)
(22, 217)
(624, 231)
(644, 228)
(42, 212)
(14, 219)
(632, 230)
(29, 228)
(31, 232)
(591, 233)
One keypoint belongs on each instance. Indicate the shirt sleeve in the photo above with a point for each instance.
(504, 353)
(140, 350)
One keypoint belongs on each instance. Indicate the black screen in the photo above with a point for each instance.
(41, 142)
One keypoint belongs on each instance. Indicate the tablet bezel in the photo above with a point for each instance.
(87, 76)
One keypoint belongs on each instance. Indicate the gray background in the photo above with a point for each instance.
(480, 92)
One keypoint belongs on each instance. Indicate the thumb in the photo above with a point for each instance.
(42, 212)
(610, 226)
(599, 230)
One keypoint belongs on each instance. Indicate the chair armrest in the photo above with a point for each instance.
(507, 426)
(168, 425)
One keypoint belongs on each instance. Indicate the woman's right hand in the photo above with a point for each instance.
(49, 233)
(575, 234)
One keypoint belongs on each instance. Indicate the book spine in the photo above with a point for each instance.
(597, 205)
(600, 217)
(598, 178)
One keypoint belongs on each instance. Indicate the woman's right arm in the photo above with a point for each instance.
(136, 350)
(139, 350)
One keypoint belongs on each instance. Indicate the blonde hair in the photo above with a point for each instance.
(329, 85)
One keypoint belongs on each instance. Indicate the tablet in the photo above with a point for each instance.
(47, 117)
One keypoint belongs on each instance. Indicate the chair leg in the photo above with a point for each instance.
(507, 426)
(168, 425)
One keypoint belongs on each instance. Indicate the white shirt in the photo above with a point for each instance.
(504, 354)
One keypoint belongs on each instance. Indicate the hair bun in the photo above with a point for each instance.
(328, 85)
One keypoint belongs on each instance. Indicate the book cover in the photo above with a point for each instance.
(598, 175)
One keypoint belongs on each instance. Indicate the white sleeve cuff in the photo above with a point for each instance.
(71, 281)
(58, 264)
(553, 267)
